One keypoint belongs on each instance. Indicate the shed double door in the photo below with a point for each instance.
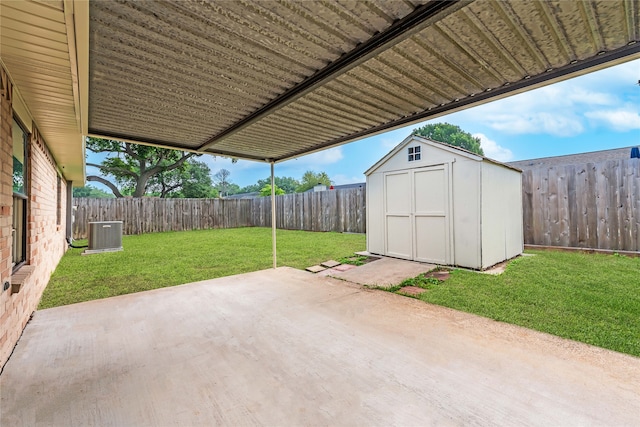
(417, 214)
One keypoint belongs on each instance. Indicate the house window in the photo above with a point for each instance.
(414, 153)
(19, 225)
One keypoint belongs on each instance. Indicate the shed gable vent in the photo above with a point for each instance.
(414, 153)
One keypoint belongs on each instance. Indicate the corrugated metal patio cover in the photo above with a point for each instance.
(276, 79)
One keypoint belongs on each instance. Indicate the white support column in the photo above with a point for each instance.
(273, 216)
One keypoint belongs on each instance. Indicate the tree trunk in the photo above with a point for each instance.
(101, 180)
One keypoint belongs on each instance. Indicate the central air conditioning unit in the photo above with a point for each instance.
(104, 236)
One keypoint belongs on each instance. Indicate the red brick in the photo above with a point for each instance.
(45, 240)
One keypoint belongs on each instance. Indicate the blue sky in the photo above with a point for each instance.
(597, 111)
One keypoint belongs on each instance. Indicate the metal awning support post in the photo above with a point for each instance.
(273, 216)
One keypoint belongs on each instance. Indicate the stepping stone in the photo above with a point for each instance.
(412, 290)
(330, 264)
(315, 268)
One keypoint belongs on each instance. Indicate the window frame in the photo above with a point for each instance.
(19, 222)
(414, 153)
(58, 200)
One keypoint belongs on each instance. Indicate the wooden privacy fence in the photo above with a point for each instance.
(594, 205)
(334, 210)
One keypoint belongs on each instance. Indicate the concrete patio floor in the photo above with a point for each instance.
(285, 347)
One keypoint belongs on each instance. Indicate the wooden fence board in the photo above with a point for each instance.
(335, 210)
(553, 232)
(572, 207)
(593, 205)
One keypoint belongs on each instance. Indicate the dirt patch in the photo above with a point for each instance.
(441, 275)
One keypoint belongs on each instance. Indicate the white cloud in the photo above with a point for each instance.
(567, 108)
(537, 123)
(216, 163)
(324, 157)
(493, 150)
(621, 120)
(340, 179)
(583, 96)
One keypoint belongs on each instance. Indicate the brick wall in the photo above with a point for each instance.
(6, 191)
(45, 237)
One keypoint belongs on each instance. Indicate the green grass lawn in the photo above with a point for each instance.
(591, 298)
(151, 261)
(585, 297)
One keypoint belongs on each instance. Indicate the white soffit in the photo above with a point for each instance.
(35, 41)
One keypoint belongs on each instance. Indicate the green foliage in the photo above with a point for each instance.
(287, 184)
(420, 281)
(197, 182)
(91, 191)
(266, 191)
(157, 260)
(132, 168)
(310, 179)
(18, 176)
(191, 181)
(353, 260)
(452, 135)
(591, 298)
(233, 189)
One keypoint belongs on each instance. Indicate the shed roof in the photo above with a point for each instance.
(439, 145)
(272, 80)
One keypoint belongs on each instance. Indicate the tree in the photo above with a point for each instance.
(452, 135)
(223, 184)
(91, 191)
(266, 191)
(191, 181)
(233, 189)
(310, 179)
(287, 184)
(199, 183)
(132, 166)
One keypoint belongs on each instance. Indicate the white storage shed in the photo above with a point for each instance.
(432, 202)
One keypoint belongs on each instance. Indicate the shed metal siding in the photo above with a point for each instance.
(375, 214)
(502, 232)
(467, 179)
